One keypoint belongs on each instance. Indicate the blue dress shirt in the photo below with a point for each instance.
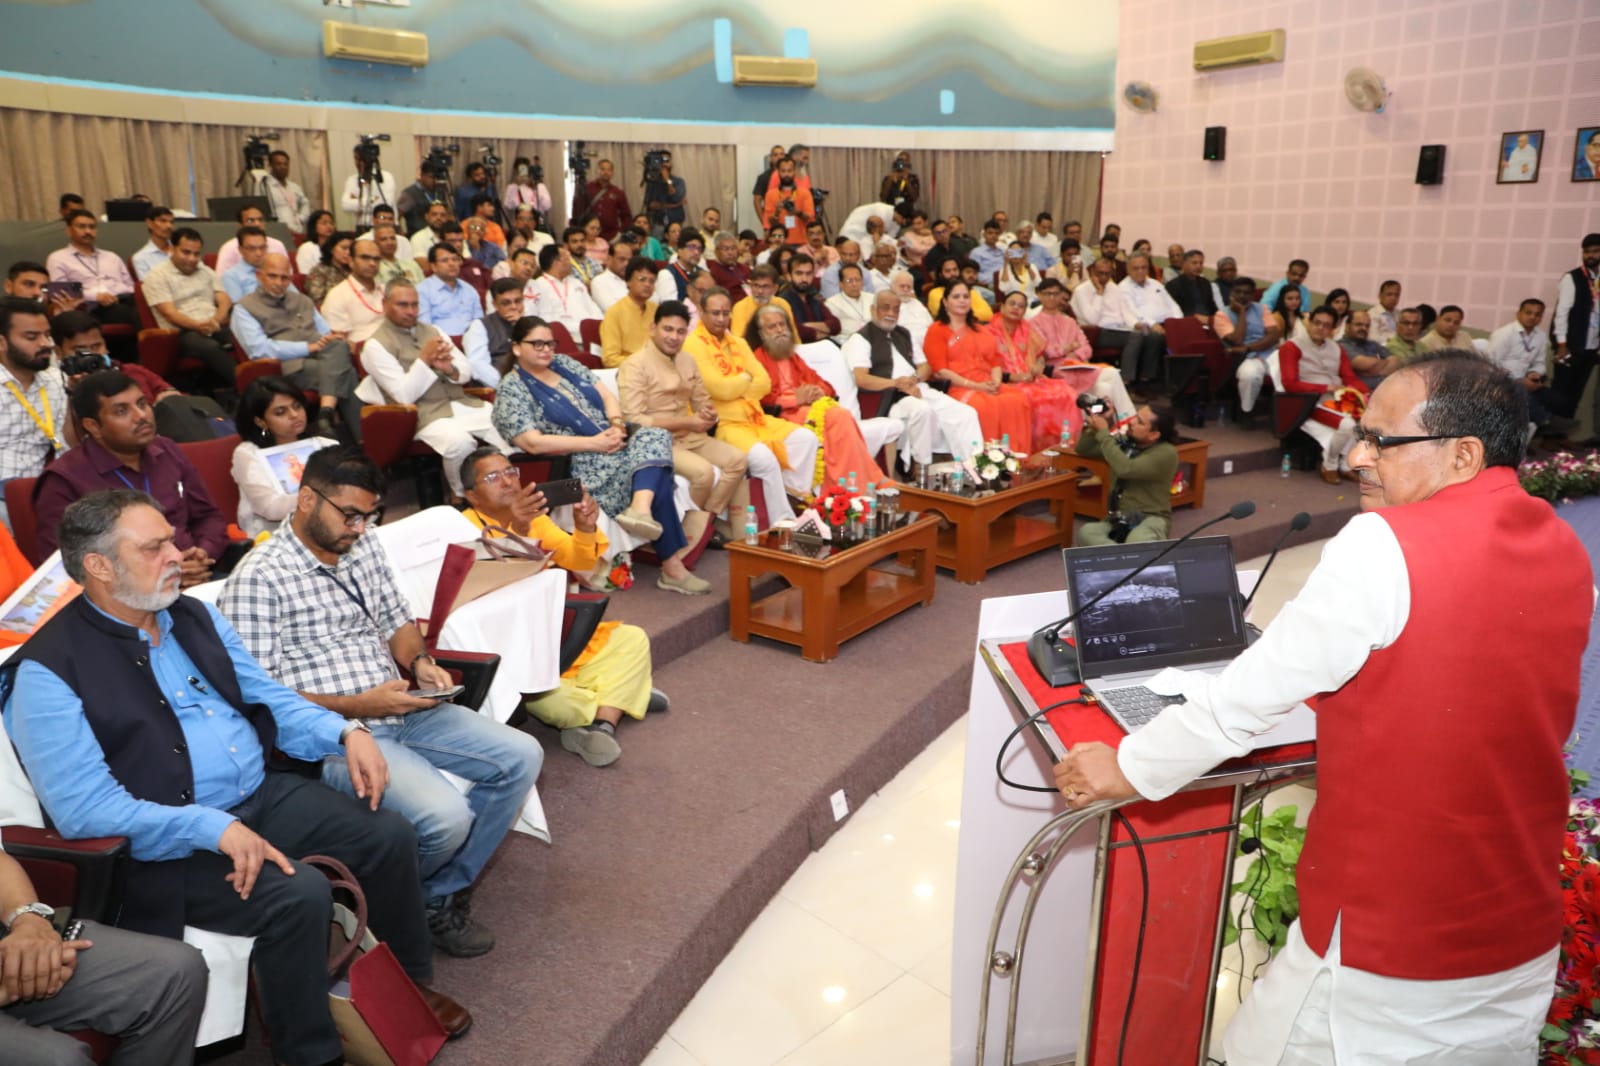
(828, 282)
(247, 332)
(1041, 258)
(239, 281)
(68, 769)
(451, 311)
(991, 259)
(1270, 297)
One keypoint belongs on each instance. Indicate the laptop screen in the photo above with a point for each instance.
(1182, 611)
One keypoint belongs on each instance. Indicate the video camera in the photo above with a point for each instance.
(437, 163)
(367, 154)
(85, 361)
(256, 150)
(899, 165)
(1090, 404)
(490, 161)
(654, 160)
(578, 159)
(534, 171)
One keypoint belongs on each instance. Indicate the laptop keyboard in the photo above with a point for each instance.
(1135, 705)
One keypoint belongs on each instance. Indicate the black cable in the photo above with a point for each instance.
(1144, 918)
(1254, 885)
(1000, 757)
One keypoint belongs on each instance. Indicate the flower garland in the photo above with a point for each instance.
(816, 415)
(1561, 478)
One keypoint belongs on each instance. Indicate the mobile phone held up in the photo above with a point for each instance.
(561, 493)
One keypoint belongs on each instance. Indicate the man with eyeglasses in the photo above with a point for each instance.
(321, 610)
(354, 307)
(1427, 883)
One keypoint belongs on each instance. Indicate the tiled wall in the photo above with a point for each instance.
(1307, 175)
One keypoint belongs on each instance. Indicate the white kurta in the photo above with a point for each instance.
(1309, 1009)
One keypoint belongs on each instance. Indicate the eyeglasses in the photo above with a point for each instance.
(495, 475)
(1378, 442)
(352, 518)
(541, 346)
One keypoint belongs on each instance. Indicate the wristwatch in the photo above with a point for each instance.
(33, 908)
(357, 726)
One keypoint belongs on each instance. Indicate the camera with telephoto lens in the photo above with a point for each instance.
(436, 164)
(256, 150)
(536, 173)
(901, 164)
(367, 151)
(487, 157)
(654, 160)
(85, 361)
(1122, 523)
(1090, 404)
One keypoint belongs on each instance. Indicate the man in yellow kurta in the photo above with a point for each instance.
(779, 452)
(626, 327)
(763, 285)
(611, 676)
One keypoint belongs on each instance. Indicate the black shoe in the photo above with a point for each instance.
(455, 933)
(1247, 421)
(324, 423)
(717, 541)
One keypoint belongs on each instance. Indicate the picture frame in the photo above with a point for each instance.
(1586, 154)
(286, 462)
(1520, 154)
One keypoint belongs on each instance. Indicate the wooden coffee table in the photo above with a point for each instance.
(984, 531)
(840, 594)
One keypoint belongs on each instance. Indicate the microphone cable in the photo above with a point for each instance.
(1000, 756)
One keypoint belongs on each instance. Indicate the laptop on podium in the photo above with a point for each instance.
(1183, 612)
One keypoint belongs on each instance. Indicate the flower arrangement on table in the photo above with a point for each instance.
(1347, 401)
(1571, 1033)
(1561, 478)
(835, 503)
(996, 462)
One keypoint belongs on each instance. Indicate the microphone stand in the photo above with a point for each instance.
(1055, 661)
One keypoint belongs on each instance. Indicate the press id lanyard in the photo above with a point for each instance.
(45, 420)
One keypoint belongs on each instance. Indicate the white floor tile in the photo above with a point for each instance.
(906, 1023)
(669, 1053)
(789, 977)
(935, 969)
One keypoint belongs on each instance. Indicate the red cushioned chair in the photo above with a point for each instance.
(213, 459)
(589, 331)
(1097, 354)
(569, 347)
(24, 524)
(1196, 359)
(158, 347)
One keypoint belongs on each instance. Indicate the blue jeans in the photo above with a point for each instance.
(663, 509)
(456, 834)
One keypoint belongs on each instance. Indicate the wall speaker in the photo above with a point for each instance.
(1430, 165)
(1216, 143)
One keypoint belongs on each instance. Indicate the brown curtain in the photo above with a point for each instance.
(219, 158)
(976, 184)
(853, 177)
(708, 171)
(551, 156)
(98, 158)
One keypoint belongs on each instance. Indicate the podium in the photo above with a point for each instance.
(1056, 895)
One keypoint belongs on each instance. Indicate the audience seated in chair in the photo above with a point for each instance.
(964, 355)
(248, 217)
(1141, 475)
(158, 224)
(626, 326)
(1385, 314)
(672, 283)
(321, 610)
(807, 308)
(411, 362)
(1294, 277)
(1406, 345)
(914, 315)
(184, 294)
(277, 322)
(1250, 334)
(121, 450)
(240, 279)
(1054, 400)
(852, 304)
(660, 385)
(1317, 366)
(763, 286)
(1150, 305)
(611, 676)
(431, 232)
(885, 360)
(272, 412)
(487, 342)
(1370, 360)
(1192, 291)
(1446, 331)
(778, 452)
(1102, 302)
(107, 285)
(950, 272)
(208, 823)
(27, 280)
(611, 284)
(354, 307)
(322, 226)
(559, 295)
(551, 404)
(446, 300)
(1521, 348)
(391, 264)
(332, 267)
(179, 416)
(33, 407)
(1068, 353)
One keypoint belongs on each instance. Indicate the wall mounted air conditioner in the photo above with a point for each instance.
(341, 40)
(1246, 50)
(775, 71)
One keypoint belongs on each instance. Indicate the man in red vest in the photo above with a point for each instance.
(1443, 632)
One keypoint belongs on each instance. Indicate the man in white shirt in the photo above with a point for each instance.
(354, 307)
(894, 217)
(1520, 348)
(850, 305)
(610, 285)
(1099, 302)
(559, 295)
(1522, 162)
(1385, 321)
(1043, 237)
(1151, 305)
(849, 253)
(154, 252)
(884, 263)
(437, 214)
(914, 314)
(446, 301)
(288, 201)
(412, 362)
(186, 296)
(884, 359)
(362, 193)
(228, 254)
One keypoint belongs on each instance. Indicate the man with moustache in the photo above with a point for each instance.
(33, 408)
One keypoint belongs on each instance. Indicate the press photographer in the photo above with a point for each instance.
(1143, 460)
(789, 204)
(370, 185)
(179, 416)
(481, 181)
(901, 186)
(431, 187)
(527, 188)
(664, 193)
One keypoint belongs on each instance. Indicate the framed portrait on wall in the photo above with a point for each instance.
(1520, 151)
(1586, 155)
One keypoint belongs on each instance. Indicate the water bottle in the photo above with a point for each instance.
(1066, 437)
(851, 483)
(751, 534)
(869, 516)
(1287, 465)
(955, 481)
(1005, 443)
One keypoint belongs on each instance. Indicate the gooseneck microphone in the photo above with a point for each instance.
(1296, 524)
(1055, 661)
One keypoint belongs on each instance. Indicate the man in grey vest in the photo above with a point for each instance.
(488, 340)
(411, 362)
(277, 321)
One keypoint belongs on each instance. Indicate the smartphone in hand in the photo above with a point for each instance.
(561, 493)
(438, 693)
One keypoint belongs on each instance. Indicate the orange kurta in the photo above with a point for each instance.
(14, 570)
(974, 356)
(844, 451)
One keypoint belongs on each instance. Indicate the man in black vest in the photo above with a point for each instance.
(1575, 327)
(487, 341)
(138, 712)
